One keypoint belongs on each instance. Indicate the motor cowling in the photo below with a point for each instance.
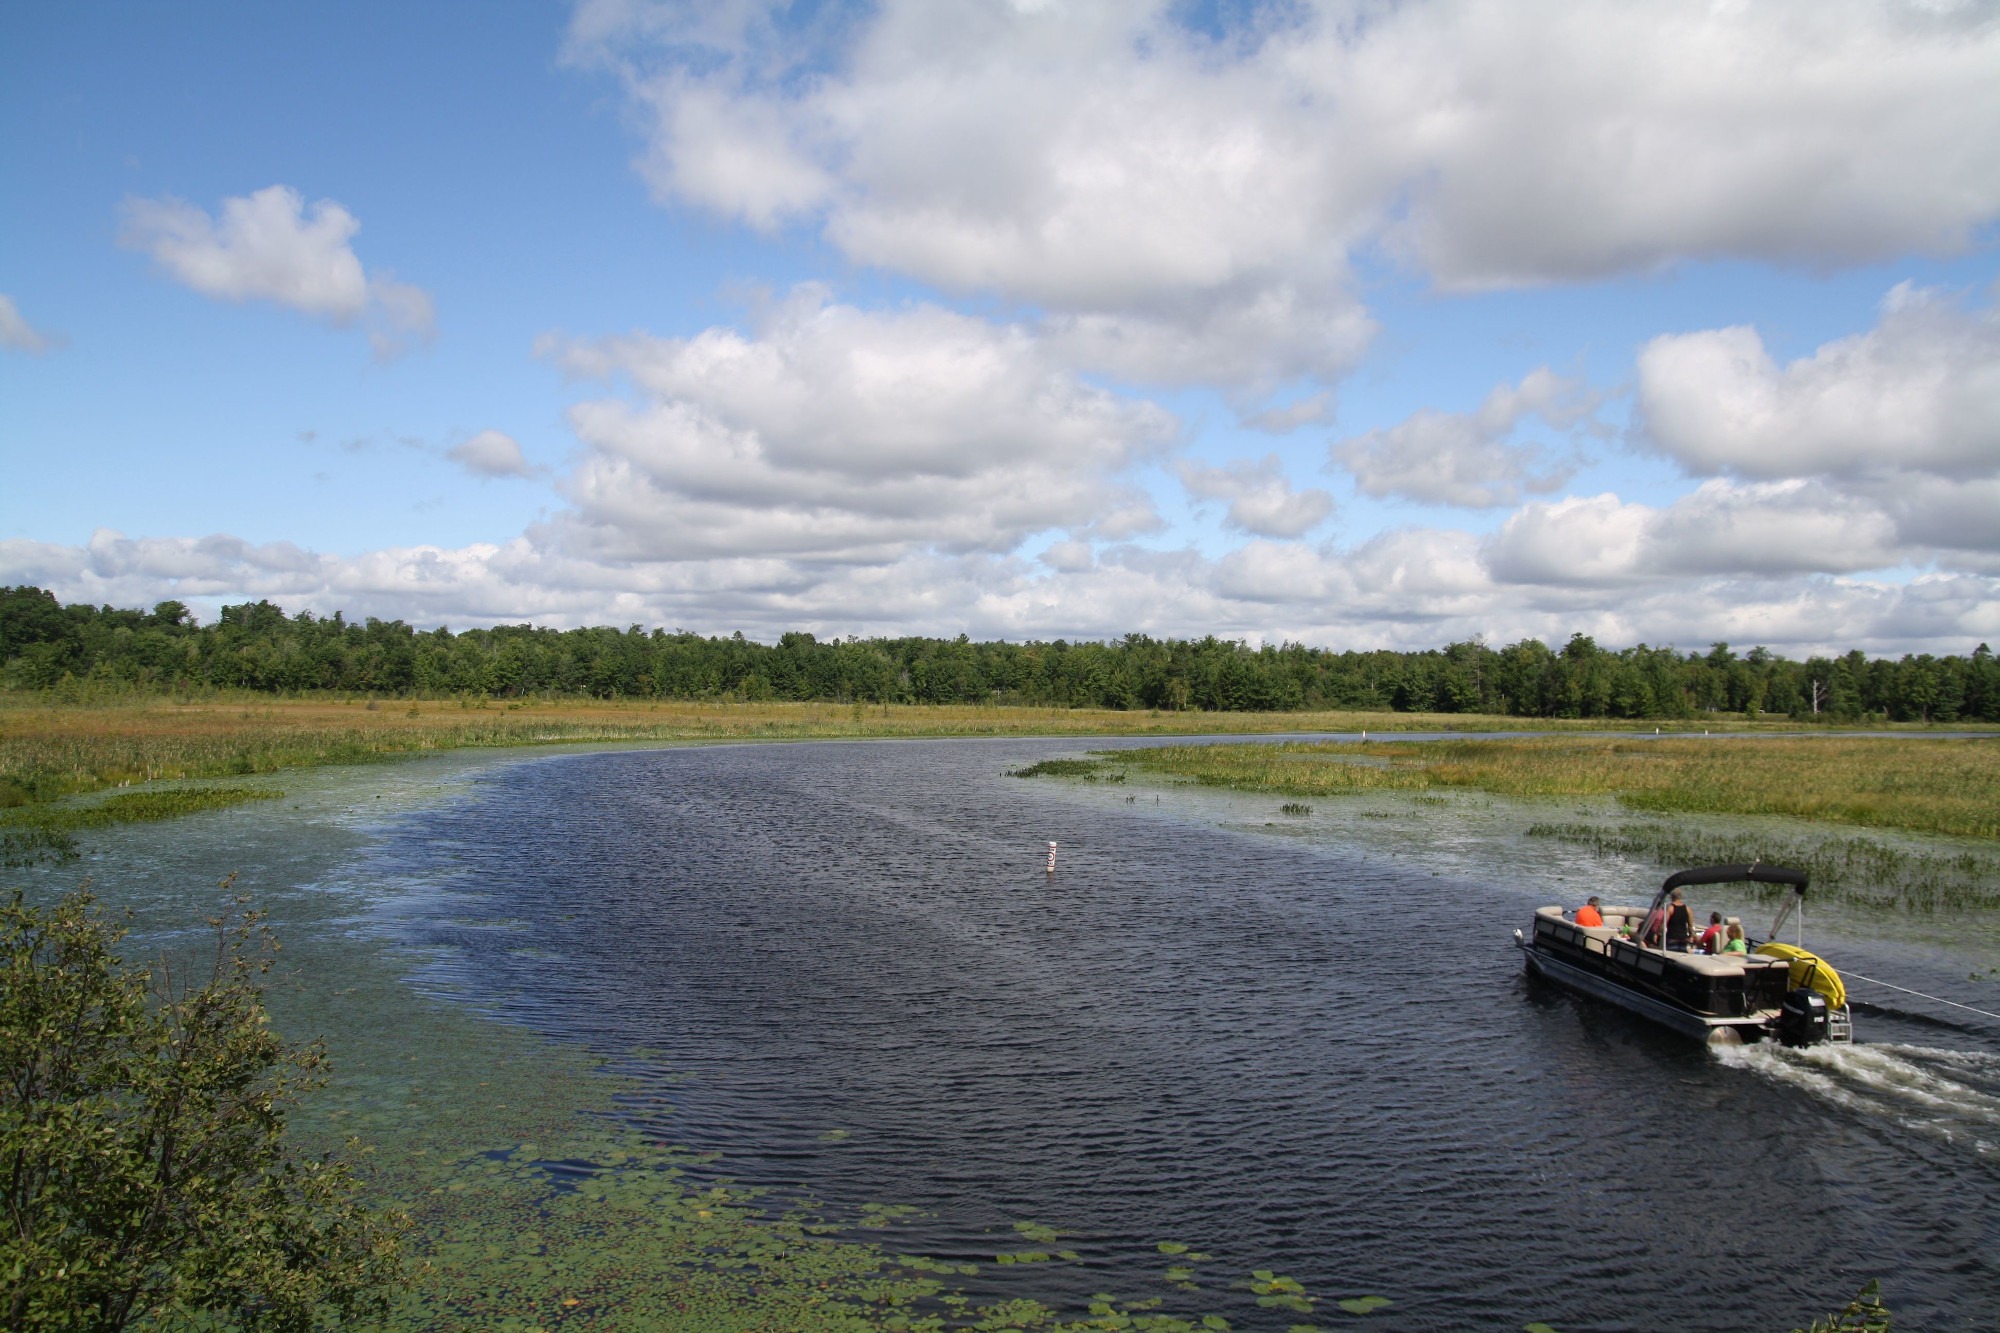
(1804, 1020)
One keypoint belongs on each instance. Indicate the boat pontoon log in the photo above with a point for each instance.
(1778, 991)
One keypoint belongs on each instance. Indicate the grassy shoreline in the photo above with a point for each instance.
(51, 749)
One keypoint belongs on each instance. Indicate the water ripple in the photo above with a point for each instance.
(1288, 1054)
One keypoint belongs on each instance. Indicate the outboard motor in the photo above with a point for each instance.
(1804, 1020)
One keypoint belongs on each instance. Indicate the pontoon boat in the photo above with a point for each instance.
(1774, 991)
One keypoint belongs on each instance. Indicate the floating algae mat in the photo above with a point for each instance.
(34, 834)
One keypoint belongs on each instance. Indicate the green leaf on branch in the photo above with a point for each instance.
(148, 1175)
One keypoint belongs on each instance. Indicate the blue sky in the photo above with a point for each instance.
(1349, 325)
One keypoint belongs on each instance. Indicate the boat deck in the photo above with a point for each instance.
(1700, 991)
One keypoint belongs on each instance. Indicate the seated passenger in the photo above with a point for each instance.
(1588, 915)
(1736, 943)
(1649, 934)
(1711, 939)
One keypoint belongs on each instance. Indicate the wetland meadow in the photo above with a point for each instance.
(650, 1027)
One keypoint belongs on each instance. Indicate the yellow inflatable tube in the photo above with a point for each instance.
(1810, 971)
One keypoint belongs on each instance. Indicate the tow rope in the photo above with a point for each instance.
(1921, 996)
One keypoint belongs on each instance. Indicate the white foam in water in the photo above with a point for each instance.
(1949, 1096)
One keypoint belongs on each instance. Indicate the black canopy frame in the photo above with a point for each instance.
(1755, 871)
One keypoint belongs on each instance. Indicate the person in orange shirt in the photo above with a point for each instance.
(1588, 915)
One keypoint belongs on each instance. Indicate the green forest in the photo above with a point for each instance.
(45, 645)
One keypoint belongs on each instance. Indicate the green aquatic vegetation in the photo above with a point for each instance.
(1181, 1276)
(147, 806)
(1295, 808)
(532, 1209)
(1945, 786)
(622, 1234)
(1036, 1233)
(1365, 1304)
(879, 1215)
(36, 845)
(1864, 1314)
(1860, 870)
(1279, 1293)
(46, 834)
(1060, 768)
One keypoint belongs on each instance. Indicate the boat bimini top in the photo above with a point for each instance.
(1757, 872)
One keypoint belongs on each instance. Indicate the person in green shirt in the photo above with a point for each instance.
(1736, 943)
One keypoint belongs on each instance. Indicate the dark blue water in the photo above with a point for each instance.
(1291, 1055)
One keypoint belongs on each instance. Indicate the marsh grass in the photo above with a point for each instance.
(1854, 869)
(1061, 768)
(1945, 786)
(49, 749)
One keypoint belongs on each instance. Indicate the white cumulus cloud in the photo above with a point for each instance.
(1918, 392)
(834, 433)
(1261, 498)
(491, 453)
(271, 246)
(1754, 530)
(1467, 458)
(1187, 205)
(1412, 588)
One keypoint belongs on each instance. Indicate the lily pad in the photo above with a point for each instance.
(1365, 1304)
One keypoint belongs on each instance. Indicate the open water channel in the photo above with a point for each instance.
(1302, 1045)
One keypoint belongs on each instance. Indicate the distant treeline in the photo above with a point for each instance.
(45, 645)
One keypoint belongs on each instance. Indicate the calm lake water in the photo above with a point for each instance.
(1306, 1047)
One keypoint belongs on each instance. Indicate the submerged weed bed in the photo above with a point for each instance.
(33, 834)
(535, 1209)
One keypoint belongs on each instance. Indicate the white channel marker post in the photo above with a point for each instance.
(1052, 858)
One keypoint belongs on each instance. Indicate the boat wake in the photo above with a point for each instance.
(1951, 1097)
